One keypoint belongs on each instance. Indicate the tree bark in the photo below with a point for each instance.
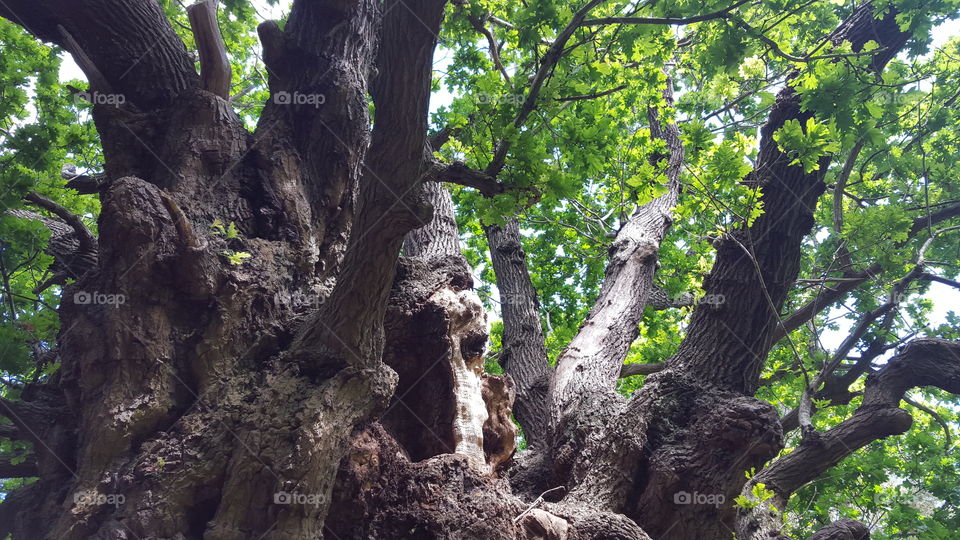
(524, 355)
(330, 387)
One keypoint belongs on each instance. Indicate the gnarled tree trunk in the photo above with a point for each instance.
(330, 387)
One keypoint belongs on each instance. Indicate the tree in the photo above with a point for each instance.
(271, 330)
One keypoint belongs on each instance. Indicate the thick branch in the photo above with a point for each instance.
(457, 172)
(547, 64)
(125, 46)
(215, 70)
(348, 328)
(922, 362)
(524, 355)
(843, 529)
(590, 365)
(727, 344)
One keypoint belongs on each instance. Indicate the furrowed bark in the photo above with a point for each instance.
(349, 324)
(131, 43)
(215, 387)
(170, 388)
(524, 355)
(693, 428)
(440, 236)
(727, 345)
(581, 391)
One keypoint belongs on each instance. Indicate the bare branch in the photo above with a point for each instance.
(215, 71)
(88, 242)
(926, 276)
(491, 45)
(458, 172)
(629, 370)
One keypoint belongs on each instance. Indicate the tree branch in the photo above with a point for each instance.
(347, 329)
(922, 362)
(457, 172)
(124, 46)
(88, 242)
(727, 344)
(629, 370)
(547, 64)
(215, 71)
(673, 21)
(524, 355)
(592, 362)
(851, 280)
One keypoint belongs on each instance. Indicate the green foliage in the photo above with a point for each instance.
(235, 258)
(806, 144)
(229, 232)
(758, 495)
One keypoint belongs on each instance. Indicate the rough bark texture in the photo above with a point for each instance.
(524, 355)
(330, 387)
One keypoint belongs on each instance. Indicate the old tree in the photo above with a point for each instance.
(651, 269)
